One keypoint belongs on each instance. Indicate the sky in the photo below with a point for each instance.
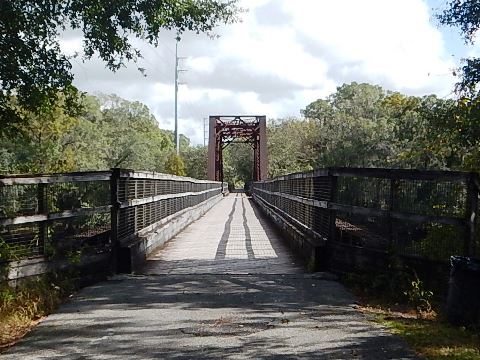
(281, 57)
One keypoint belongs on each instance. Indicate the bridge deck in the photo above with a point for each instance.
(226, 288)
(232, 238)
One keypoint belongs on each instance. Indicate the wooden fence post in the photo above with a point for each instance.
(471, 214)
(114, 218)
(42, 191)
(391, 207)
(333, 198)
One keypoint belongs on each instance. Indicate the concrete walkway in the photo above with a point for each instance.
(226, 288)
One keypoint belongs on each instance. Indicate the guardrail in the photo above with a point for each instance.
(144, 200)
(423, 214)
(57, 216)
(54, 215)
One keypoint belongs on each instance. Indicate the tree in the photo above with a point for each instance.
(196, 161)
(33, 68)
(349, 128)
(238, 164)
(465, 14)
(133, 139)
(291, 144)
(364, 125)
(420, 136)
(462, 129)
(320, 109)
(40, 144)
(110, 132)
(175, 165)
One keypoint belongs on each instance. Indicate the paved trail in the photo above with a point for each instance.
(225, 288)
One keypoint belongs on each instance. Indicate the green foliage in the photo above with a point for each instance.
(5, 257)
(131, 137)
(359, 125)
(39, 145)
(363, 125)
(349, 128)
(50, 251)
(418, 296)
(434, 338)
(465, 15)
(94, 221)
(291, 146)
(439, 242)
(33, 67)
(30, 300)
(398, 283)
(196, 161)
(4, 251)
(13, 252)
(34, 298)
(7, 297)
(174, 165)
(111, 132)
(74, 257)
(395, 281)
(238, 165)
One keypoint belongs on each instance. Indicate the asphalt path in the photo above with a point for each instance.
(225, 288)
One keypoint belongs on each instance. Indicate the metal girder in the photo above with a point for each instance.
(225, 130)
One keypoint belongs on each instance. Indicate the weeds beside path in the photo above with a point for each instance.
(22, 307)
(428, 334)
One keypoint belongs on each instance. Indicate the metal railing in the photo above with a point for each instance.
(60, 215)
(425, 214)
(144, 200)
(54, 215)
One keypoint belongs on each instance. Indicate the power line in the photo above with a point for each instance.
(183, 105)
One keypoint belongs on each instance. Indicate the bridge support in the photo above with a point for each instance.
(225, 130)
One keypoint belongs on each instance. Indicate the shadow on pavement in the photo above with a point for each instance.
(210, 317)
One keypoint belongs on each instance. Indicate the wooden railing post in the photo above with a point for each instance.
(392, 203)
(115, 213)
(471, 214)
(42, 190)
(333, 198)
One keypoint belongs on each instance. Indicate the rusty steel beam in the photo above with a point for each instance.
(225, 130)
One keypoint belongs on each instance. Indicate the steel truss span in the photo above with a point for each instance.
(229, 129)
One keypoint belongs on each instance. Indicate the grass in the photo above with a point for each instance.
(433, 338)
(22, 307)
(427, 333)
(400, 301)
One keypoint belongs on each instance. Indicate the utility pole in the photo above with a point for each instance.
(205, 131)
(177, 71)
(177, 140)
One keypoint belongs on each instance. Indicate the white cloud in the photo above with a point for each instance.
(70, 46)
(202, 64)
(386, 41)
(284, 55)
